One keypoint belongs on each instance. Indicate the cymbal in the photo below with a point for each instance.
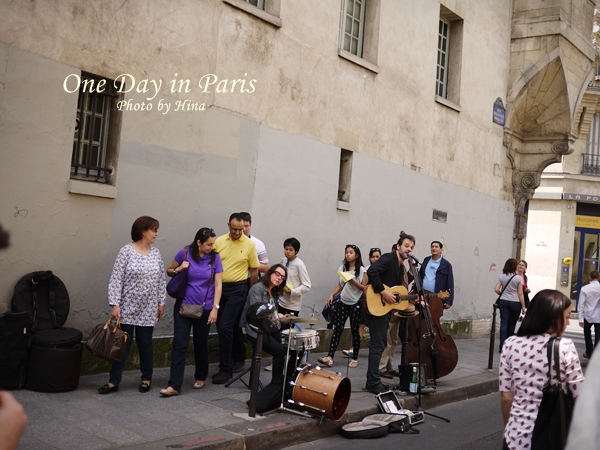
(308, 320)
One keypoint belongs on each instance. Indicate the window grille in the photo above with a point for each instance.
(591, 159)
(91, 131)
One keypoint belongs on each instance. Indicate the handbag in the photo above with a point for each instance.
(178, 284)
(108, 343)
(192, 310)
(556, 409)
(329, 312)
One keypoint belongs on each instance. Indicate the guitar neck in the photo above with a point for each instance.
(415, 296)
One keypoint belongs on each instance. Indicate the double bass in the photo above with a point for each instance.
(437, 350)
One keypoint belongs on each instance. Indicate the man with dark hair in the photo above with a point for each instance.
(388, 270)
(589, 312)
(238, 255)
(238, 349)
(436, 273)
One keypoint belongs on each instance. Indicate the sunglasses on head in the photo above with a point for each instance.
(208, 232)
(375, 249)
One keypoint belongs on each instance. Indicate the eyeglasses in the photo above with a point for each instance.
(237, 230)
(375, 249)
(352, 246)
(279, 275)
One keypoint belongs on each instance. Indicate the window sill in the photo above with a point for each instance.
(343, 206)
(254, 11)
(93, 189)
(450, 104)
(356, 60)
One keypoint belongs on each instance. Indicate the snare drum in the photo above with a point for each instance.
(321, 393)
(300, 340)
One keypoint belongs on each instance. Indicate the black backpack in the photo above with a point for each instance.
(44, 297)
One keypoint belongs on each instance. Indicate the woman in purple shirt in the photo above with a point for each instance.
(204, 283)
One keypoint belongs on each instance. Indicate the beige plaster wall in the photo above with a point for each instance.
(51, 229)
(302, 86)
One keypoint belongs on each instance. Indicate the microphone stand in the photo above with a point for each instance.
(419, 289)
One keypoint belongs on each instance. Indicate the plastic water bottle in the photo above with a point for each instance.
(412, 387)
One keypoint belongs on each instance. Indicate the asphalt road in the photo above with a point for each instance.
(476, 424)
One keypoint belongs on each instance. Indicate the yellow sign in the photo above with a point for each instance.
(587, 222)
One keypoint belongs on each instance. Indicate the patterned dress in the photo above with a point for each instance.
(524, 371)
(137, 285)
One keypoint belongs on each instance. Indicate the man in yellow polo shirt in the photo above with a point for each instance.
(238, 255)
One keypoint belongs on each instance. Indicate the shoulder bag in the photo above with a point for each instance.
(556, 409)
(192, 310)
(178, 284)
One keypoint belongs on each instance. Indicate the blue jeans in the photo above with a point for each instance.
(232, 300)
(181, 339)
(143, 340)
(509, 315)
(378, 327)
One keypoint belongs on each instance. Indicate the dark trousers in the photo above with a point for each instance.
(143, 340)
(283, 310)
(509, 315)
(587, 334)
(181, 339)
(238, 347)
(272, 346)
(378, 327)
(232, 301)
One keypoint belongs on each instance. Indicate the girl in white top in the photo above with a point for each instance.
(349, 293)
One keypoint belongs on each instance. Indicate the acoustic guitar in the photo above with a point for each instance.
(377, 306)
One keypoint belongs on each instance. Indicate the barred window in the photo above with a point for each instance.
(91, 135)
(442, 58)
(352, 24)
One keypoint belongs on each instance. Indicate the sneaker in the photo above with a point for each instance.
(349, 353)
(269, 368)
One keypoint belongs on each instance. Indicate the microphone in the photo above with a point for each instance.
(414, 258)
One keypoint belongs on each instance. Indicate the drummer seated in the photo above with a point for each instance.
(268, 290)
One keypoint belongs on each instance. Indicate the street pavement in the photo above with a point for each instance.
(216, 417)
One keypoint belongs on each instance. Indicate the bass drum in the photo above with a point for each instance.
(321, 393)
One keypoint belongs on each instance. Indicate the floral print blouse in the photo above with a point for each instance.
(524, 371)
(137, 285)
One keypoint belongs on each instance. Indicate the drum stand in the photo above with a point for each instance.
(282, 406)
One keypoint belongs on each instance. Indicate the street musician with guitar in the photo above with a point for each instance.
(387, 270)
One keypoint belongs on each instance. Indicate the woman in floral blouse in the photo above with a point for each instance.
(137, 293)
(524, 366)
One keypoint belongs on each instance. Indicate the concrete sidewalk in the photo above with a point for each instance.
(216, 417)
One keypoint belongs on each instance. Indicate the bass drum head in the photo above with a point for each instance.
(322, 392)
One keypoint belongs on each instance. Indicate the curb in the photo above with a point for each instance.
(280, 430)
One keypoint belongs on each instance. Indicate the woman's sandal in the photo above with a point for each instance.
(327, 360)
(168, 392)
(199, 384)
(352, 363)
